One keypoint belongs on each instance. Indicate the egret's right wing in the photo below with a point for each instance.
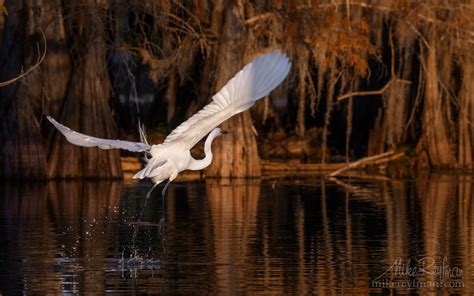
(250, 84)
(79, 139)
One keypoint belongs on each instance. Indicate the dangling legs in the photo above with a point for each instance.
(137, 225)
(162, 225)
(147, 198)
(163, 194)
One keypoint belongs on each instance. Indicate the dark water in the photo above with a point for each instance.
(297, 237)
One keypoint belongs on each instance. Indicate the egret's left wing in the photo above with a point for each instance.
(256, 80)
(79, 139)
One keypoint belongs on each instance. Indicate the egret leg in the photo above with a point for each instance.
(146, 200)
(137, 225)
(162, 222)
(163, 192)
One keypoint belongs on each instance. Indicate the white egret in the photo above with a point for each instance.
(256, 80)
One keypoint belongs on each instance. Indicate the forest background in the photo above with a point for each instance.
(368, 77)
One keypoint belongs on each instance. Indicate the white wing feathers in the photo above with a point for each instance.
(88, 141)
(152, 164)
(250, 84)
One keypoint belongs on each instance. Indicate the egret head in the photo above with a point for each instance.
(218, 132)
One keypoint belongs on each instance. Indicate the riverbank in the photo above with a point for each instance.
(372, 167)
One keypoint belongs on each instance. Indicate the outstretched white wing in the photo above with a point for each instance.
(88, 141)
(250, 84)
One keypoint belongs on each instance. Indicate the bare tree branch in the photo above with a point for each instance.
(375, 160)
(371, 92)
(31, 69)
(258, 18)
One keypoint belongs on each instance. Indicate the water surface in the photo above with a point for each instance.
(300, 236)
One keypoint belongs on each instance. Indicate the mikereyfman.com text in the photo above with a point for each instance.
(420, 273)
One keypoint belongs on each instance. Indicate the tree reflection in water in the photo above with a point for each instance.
(60, 233)
(253, 236)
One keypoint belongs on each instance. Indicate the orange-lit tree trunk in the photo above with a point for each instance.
(466, 117)
(235, 154)
(435, 129)
(86, 106)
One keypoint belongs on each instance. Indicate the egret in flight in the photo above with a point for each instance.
(166, 160)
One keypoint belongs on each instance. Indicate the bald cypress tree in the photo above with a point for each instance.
(86, 106)
(21, 152)
(236, 153)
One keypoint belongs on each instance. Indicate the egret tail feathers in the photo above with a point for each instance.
(149, 168)
(141, 131)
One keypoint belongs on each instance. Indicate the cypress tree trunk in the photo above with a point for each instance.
(466, 117)
(86, 106)
(48, 88)
(235, 154)
(207, 84)
(435, 130)
(376, 141)
(21, 152)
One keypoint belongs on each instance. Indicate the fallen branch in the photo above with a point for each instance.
(290, 167)
(375, 159)
(31, 69)
(259, 17)
(371, 92)
(385, 160)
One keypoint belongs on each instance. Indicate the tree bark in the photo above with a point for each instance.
(207, 84)
(435, 131)
(86, 107)
(376, 141)
(21, 152)
(170, 97)
(466, 118)
(49, 86)
(235, 154)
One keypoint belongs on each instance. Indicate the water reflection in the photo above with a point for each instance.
(82, 213)
(56, 235)
(282, 237)
(232, 207)
(449, 222)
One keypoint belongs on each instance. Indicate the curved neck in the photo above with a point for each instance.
(199, 164)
